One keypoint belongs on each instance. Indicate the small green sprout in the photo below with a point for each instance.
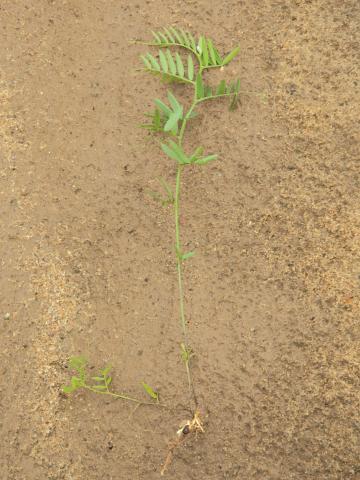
(150, 391)
(99, 383)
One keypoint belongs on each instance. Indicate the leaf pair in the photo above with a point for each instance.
(184, 256)
(186, 353)
(172, 113)
(170, 68)
(157, 121)
(103, 380)
(150, 391)
(79, 364)
(176, 152)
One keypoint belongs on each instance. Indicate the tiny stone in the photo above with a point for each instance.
(6, 316)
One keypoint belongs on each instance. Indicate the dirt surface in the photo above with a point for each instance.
(87, 256)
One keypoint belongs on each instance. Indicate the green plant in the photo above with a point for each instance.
(100, 383)
(171, 118)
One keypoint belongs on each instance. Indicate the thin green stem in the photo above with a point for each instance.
(180, 282)
(178, 251)
(179, 257)
(120, 395)
(184, 123)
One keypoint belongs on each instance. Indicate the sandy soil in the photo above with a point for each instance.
(87, 256)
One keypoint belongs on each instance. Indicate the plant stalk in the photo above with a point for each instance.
(123, 397)
(178, 247)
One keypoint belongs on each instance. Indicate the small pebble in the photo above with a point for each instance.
(6, 316)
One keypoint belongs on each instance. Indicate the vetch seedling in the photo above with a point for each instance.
(171, 118)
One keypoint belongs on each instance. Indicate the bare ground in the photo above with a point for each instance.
(87, 256)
